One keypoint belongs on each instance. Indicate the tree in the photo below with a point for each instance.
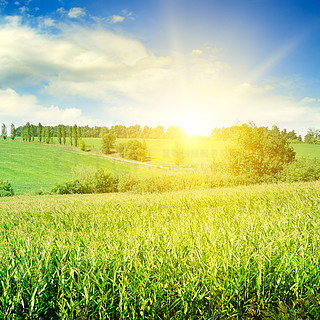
(312, 136)
(79, 133)
(257, 152)
(70, 135)
(13, 131)
(28, 132)
(40, 131)
(178, 154)
(133, 149)
(75, 134)
(63, 133)
(4, 131)
(32, 129)
(59, 134)
(82, 145)
(108, 141)
(48, 135)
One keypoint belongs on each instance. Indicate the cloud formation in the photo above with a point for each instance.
(76, 12)
(20, 108)
(116, 19)
(129, 81)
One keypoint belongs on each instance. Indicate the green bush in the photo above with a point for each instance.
(82, 145)
(104, 181)
(88, 180)
(6, 189)
(258, 153)
(70, 187)
(301, 170)
(127, 183)
(133, 150)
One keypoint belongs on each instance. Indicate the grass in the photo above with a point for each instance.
(198, 150)
(309, 151)
(229, 253)
(31, 167)
(161, 151)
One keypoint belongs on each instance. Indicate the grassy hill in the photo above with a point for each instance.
(241, 253)
(31, 167)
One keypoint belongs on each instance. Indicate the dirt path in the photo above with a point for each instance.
(137, 162)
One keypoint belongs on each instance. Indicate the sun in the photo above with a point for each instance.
(194, 125)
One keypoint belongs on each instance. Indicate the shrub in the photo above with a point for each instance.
(258, 153)
(108, 142)
(70, 187)
(301, 170)
(88, 180)
(104, 181)
(127, 183)
(6, 189)
(133, 150)
(82, 145)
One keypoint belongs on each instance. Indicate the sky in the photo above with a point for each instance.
(197, 64)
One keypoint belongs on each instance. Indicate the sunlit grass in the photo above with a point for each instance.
(31, 166)
(236, 253)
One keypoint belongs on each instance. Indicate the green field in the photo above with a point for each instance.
(308, 151)
(229, 253)
(32, 166)
(197, 150)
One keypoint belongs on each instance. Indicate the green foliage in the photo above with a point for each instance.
(301, 170)
(108, 141)
(70, 187)
(63, 134)
(258, 152)
(88, 180)
(13, 131)
(70, 135)
(312, 136)
(133, 150)
(40, 132)
(4, 131)
(32, 166)
(230, 253)
(82, 145)
(47, 134)
(104, 181)
(59, 134)
(6, 189)
(75, 134)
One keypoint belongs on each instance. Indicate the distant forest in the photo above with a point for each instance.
(30, 131)
(95, 132)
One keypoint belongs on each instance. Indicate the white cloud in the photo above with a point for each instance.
(196, 52)
(122, 75)
(76, 12)
(21, 108)
(308, 100)
(116, 19)
(48, 22)
(23, 9)
(61, 10)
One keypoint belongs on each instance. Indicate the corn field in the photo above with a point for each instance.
(228, 253)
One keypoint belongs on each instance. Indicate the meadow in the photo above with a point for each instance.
(31, 167)
(197, 150)
(226, 253)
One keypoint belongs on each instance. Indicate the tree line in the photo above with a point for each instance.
(226, 133)
(30, 131)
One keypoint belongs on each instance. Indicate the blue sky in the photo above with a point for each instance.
(197, 64)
